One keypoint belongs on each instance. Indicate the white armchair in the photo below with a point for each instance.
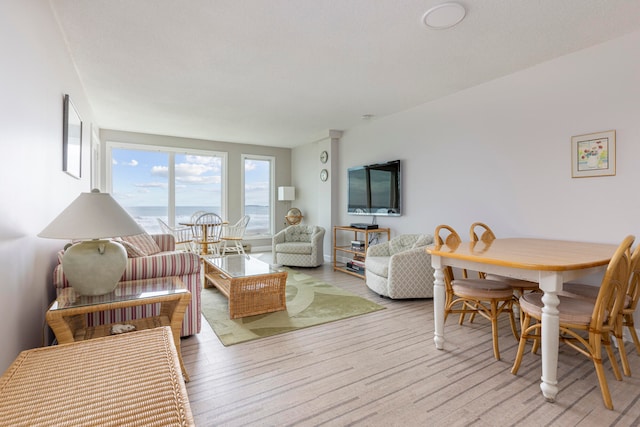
(401, 268)
(299, 246)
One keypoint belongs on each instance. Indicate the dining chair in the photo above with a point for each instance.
(233, 234)
(181, 235)
(487, 298)
(481, 232)
(195, 215)
(625, 318)
(580, 318)
(207, 231)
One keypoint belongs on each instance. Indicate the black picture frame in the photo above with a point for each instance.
(71, 139)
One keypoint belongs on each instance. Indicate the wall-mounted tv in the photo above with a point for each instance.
(374, 189)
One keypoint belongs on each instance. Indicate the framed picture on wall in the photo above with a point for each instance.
(71, 139)
(593, 154)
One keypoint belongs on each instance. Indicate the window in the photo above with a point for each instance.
(257, 195)
(161, 182)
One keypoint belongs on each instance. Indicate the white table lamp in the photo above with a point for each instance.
(93, 266)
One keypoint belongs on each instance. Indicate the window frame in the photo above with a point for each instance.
(272, 207)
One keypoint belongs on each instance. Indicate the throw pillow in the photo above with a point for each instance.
(144, 244)
(401, 243)
(132, 251)
(423, 240)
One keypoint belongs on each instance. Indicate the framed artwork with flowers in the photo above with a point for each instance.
(593, 154)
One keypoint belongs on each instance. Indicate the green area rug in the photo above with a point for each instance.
(310, 302)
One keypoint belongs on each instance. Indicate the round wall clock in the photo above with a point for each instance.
(324, 175)
(324, 156)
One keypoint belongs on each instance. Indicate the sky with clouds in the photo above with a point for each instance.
(141, 178)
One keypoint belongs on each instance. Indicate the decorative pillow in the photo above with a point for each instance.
(132, 251)
(423, 240)
(401, 243)
(143, 244)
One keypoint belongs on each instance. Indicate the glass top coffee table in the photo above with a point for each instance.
(252, 286)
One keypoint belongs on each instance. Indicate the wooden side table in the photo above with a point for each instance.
(90, 383)
(66, 316)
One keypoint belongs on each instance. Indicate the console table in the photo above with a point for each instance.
(129, 379)
(66, 316)
(365, 233)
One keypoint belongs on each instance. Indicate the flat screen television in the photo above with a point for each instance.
(374, 189)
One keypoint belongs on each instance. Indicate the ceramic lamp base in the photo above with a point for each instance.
(94, 267)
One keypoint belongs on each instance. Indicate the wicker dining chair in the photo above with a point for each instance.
(580, 318)
(625, 318)
(232, 235)
(487, 236)
(487, 298)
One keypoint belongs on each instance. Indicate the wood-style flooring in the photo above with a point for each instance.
(382, 369)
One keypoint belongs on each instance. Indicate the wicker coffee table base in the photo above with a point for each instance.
(249, 295)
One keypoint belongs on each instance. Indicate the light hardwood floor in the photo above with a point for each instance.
(382, 369)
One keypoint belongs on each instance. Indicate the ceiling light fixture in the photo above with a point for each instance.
(444, 16)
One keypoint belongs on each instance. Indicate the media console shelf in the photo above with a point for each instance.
(359, 234)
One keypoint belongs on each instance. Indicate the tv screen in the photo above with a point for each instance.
(374, 189)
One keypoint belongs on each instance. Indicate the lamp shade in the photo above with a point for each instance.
(92, 215)
(286, 193)
(93, 267)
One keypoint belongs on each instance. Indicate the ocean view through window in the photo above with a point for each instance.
(257, 194)
(154, 183)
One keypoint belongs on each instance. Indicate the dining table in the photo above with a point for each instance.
(205, 241)
(549, 262)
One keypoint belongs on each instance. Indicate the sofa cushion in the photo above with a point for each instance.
(302, 248)
(139, 245)
(378, 265)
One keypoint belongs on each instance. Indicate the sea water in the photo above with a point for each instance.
(147, 217)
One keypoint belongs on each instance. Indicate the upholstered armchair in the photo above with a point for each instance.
(166, 262)
(400, 268)
(299, 246)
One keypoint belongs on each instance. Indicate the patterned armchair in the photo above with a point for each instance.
(401, 268)
(299, 246)
(167, 262)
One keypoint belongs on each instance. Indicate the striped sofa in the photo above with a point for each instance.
(185, 265)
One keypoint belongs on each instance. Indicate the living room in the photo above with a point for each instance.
(499, 152)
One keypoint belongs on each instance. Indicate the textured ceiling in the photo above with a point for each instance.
(284, 72)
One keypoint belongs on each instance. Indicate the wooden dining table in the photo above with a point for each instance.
(551, 263)
(204, 243)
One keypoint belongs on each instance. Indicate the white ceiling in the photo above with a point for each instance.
(284, 72)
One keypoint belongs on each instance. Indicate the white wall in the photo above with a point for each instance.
(500, 152)
(35, 74)
(316, 199)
